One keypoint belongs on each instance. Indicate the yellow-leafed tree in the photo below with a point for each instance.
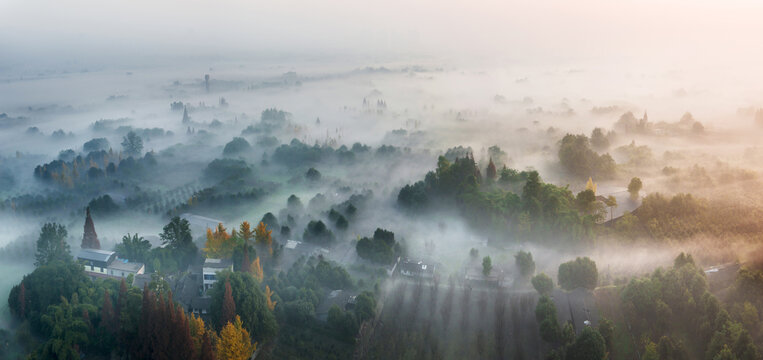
(263, 237)
(219, 243)
(196, 325)
(234, 342)
(256, 270)
(590, 185)
(268, 293)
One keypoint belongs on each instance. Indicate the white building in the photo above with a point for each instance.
(104, 263)
(211, 268)
(417, 269)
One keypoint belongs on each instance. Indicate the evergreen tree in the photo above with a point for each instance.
(207, 352)
(228, 307)
(122, 298)
(491, 172)
(108, 316)
(182, 343)
(90, 238)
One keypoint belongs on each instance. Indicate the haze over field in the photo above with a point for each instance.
(421, 167)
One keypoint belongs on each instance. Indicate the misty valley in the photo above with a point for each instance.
(341, 209)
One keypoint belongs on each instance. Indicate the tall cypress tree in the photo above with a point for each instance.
(90, 238)
(182, 343)
(161, 331)
(229, 306)
(207, 352)
(145, 328)
(121, 298)
(108, 317)
(491, 172)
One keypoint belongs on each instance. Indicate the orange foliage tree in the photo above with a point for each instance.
(263, 237)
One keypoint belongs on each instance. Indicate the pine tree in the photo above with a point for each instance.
(235, 342)
(121, 298)
(246, 232)
(207, 352)
(90, 238)
(182, 344)
(229, 306)
(145, 328)
(491, 172)
(160, 336)
(108, 317)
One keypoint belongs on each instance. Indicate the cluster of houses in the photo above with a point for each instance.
(190, 289)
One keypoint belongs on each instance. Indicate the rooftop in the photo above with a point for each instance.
(218, 263)
(201, 221)
(292, 244)
(141, 280)
(124, 265)
(95, 255)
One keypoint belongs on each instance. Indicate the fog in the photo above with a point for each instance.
(373, 95)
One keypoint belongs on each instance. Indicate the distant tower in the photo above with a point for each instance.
(186, 118)
(206, 81)
(90, 238)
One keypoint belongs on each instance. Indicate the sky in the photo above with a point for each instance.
(682, 32)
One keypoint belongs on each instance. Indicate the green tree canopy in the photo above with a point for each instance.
(134, 248)
(525, 263)
(132, 144)
(589, 345)
(176, 235)
(250, 303)
(543, 284)
(580, 272)
(52, 245)
(487, 265)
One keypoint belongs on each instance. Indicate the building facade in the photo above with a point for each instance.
(103, 263)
